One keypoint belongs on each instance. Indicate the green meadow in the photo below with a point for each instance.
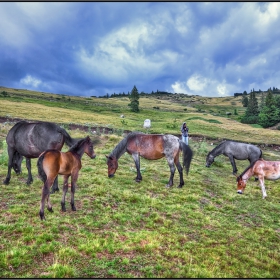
(124, 229)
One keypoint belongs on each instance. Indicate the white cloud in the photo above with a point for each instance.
(197, 83)
(30, 81)
(121, 54)
(178, 87)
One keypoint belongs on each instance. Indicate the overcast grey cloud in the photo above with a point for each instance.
(95, 48)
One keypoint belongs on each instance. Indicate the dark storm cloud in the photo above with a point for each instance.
(94, 48)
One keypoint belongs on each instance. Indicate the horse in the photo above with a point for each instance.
(263, 169)
(152, 147)
(234, 150)
(30, 140)
(53, 162)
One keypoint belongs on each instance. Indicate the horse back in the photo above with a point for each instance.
(242, 150)
(149, 146)
(267, 169)
(31, 139)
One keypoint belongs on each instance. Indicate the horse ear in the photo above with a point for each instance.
(108, 157)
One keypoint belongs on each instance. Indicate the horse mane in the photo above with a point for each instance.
(120, 149)
(76, 145)
(214, 150)
(250, 166)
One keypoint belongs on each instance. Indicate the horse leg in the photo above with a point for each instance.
(65, 189)
(180, 170)
(232, 161)
(137, 165)
(263, 187)
(45, 195)
(28, 166)
(172, 171)
(11, 153)
(55, 185)
(74, 179)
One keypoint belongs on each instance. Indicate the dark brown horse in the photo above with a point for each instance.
(152, 146)
(262, 169)
(54, 162)
(30, 140)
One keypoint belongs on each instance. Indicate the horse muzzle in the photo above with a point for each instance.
(240, 191)
(111, 175)
(94, 156)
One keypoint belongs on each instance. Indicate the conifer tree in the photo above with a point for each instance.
(252, 111)
(134, 100)
(270, 113)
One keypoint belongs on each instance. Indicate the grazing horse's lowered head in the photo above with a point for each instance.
(209, 160)
(113, 165)
(241, 184)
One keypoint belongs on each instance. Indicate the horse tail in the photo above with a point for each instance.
(68, 139)
(187, 155)
(41, 171)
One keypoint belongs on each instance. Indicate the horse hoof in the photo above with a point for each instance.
(73, 206)
(180, 186)
(42, 216)
(6, 182)
(54, 190)
(50, 209)
(63, 209)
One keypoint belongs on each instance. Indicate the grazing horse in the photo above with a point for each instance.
(30, 140)
(152, 146)
(263, 169)
(234, 150)
(53, 162)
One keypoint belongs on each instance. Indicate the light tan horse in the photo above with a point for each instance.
(262, 169)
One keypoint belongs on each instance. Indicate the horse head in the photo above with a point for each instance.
(209, 160)
(112, 163)
(17, 159)
(241, 184)
(89, 148)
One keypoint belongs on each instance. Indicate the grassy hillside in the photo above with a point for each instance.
(205, 116)
(124, 229)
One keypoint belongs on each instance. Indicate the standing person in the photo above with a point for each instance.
(185, 133)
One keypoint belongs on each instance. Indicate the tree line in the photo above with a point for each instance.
(274, 90)
(123, 94)
(266, 113)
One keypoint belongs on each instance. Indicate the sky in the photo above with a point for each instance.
(211, 49)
